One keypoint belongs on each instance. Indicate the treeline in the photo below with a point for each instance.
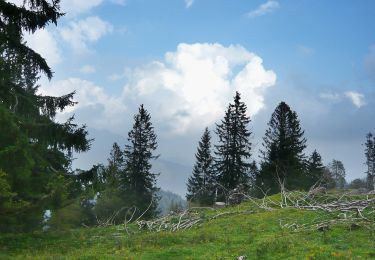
(228, 172)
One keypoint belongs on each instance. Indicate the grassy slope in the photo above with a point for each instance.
(257, 235)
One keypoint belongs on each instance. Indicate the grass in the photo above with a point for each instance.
(256, 235)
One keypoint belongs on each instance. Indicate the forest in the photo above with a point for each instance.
(40, 190)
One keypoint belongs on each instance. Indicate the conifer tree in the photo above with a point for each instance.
(234, 149)
(201, 185)
(337, 170)
(283, 159)
(370, 160)
(138, 182)
(41, 152)
(115, 167)
(315, 170)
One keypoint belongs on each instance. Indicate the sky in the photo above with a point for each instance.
(184, 60)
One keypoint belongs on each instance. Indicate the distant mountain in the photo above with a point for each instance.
(169, 199)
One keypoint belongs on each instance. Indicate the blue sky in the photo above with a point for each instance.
(184, 60)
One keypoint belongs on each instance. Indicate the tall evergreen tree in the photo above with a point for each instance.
(283, 156)
(138, 182)
(201, 185)
(370, 160)
(41, 152)
(234, 149)
(315, 170)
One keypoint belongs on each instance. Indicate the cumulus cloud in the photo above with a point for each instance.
(195, 83)
(265, 8)
(88, 69)
(189, 3)
(91, 99)
(44, 43)
(356, 98)
(187, 90)
(89, 30)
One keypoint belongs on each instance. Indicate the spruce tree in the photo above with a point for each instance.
(234, 149)
(40, 154)
(283, 158)
(138, 182)
(115, 166)
(315, 170)
(370, 160)
(202, 184)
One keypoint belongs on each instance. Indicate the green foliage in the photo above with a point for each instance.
(283, 158)
(111, 202)
(201, 185)
(358, 184)
(35, 150)
(6, 195)
(315, 170)
(234, 149)
(128, 182)
(337, 170)
(138, 183)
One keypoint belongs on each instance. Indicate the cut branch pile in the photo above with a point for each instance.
(184, 220)
(346, 208)
(172, 222)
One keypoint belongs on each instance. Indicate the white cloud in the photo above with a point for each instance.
(189, 3)
(356, 98)
(88, 69)
(195, 83)
(44, 43)
(186, 91)
(265, 8)
(91, 99)
(89, 30)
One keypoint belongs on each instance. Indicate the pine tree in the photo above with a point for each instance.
(42, 148)
(370, 160)
(315, 170)
(234, 149)
(202, 184)
(138, 182)
(283, 159)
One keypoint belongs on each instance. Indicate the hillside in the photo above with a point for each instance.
(341, 226)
